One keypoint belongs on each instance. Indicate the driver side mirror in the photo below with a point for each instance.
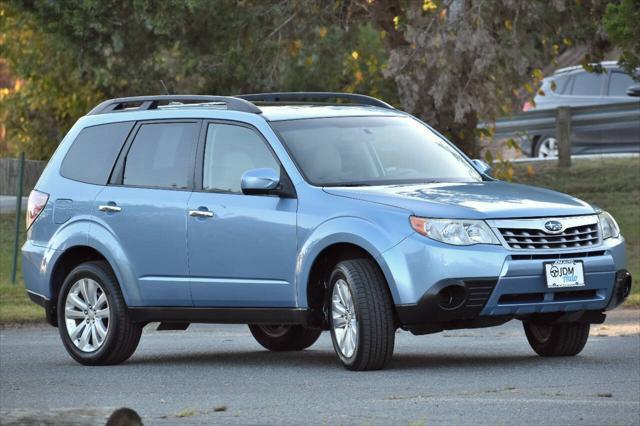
(259, 181)
(482, 167)
(633, 91)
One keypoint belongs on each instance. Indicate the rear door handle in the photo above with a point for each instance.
(109, 208)
(200, 213)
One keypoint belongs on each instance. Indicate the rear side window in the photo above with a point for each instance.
(162, 156)
(94, 152)
(619, 83)
(587, 84)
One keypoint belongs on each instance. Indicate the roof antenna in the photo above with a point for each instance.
(165, 87)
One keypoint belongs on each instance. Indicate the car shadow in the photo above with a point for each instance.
(324, 358)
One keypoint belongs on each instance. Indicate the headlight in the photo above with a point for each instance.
(459, 232)
(608, 225)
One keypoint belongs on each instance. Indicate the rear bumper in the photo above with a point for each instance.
(36, 272)
(48, 305)
(35, 262)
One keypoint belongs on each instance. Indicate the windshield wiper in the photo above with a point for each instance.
(348, 184)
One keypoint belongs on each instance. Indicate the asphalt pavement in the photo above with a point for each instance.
(215, 374)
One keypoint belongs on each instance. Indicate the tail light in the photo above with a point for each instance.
(37, 201)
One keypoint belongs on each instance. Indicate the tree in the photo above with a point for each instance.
(622, 25)
(75, 53)
(456, 62)
(453, 63)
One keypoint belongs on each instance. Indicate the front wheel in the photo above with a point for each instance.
(92, 317)
(361, 315)
(546, 147)
(566, 339)
(284, 337)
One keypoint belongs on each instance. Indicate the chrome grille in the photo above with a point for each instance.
(577, 236)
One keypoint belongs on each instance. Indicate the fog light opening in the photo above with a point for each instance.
(452, 297)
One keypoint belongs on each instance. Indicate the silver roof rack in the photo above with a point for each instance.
(144, 103)
(603, 64)
(284, 98)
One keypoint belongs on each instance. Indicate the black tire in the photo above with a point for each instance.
(122, 336)
(566, 339)
(280, 338)
(374, 312)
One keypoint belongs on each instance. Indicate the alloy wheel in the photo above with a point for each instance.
(86, 315)
(548, 148)
(344, 318)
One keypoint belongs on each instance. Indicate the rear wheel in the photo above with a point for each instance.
(361, 315)
(566, 339)
(285, 337)
(92, 317)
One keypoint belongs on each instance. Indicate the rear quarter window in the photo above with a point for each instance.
(94, 152)
(587, 84)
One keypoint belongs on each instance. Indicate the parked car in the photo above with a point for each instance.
(355, 218)
(575, 87)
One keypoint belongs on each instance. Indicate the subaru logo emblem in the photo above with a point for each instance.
(553, 226)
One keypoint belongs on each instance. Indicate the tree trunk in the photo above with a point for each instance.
(466, 136)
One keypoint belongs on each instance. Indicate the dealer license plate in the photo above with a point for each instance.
(564, 273)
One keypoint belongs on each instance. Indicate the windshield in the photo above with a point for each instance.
(357, 151)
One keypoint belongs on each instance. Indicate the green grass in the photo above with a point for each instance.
(612, 184)
(15, 306)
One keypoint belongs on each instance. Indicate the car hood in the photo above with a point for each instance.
(474, 200)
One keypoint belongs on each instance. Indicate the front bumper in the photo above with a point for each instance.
(498, 284)
(459, 303)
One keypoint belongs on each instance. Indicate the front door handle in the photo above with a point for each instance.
(110, 208)
(200, 213)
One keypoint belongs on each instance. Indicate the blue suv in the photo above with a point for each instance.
(297, 213)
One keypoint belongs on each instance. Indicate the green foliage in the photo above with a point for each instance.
(622, 23)
(52, 90)
(357, 66)
(72, 54)
(450, 63)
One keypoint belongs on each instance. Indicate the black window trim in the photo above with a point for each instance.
(286, 189)
(117, 175)
(113, 166)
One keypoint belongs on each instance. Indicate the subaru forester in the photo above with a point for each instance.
(296, 213)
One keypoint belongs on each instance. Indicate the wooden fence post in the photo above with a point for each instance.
(563, 132)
